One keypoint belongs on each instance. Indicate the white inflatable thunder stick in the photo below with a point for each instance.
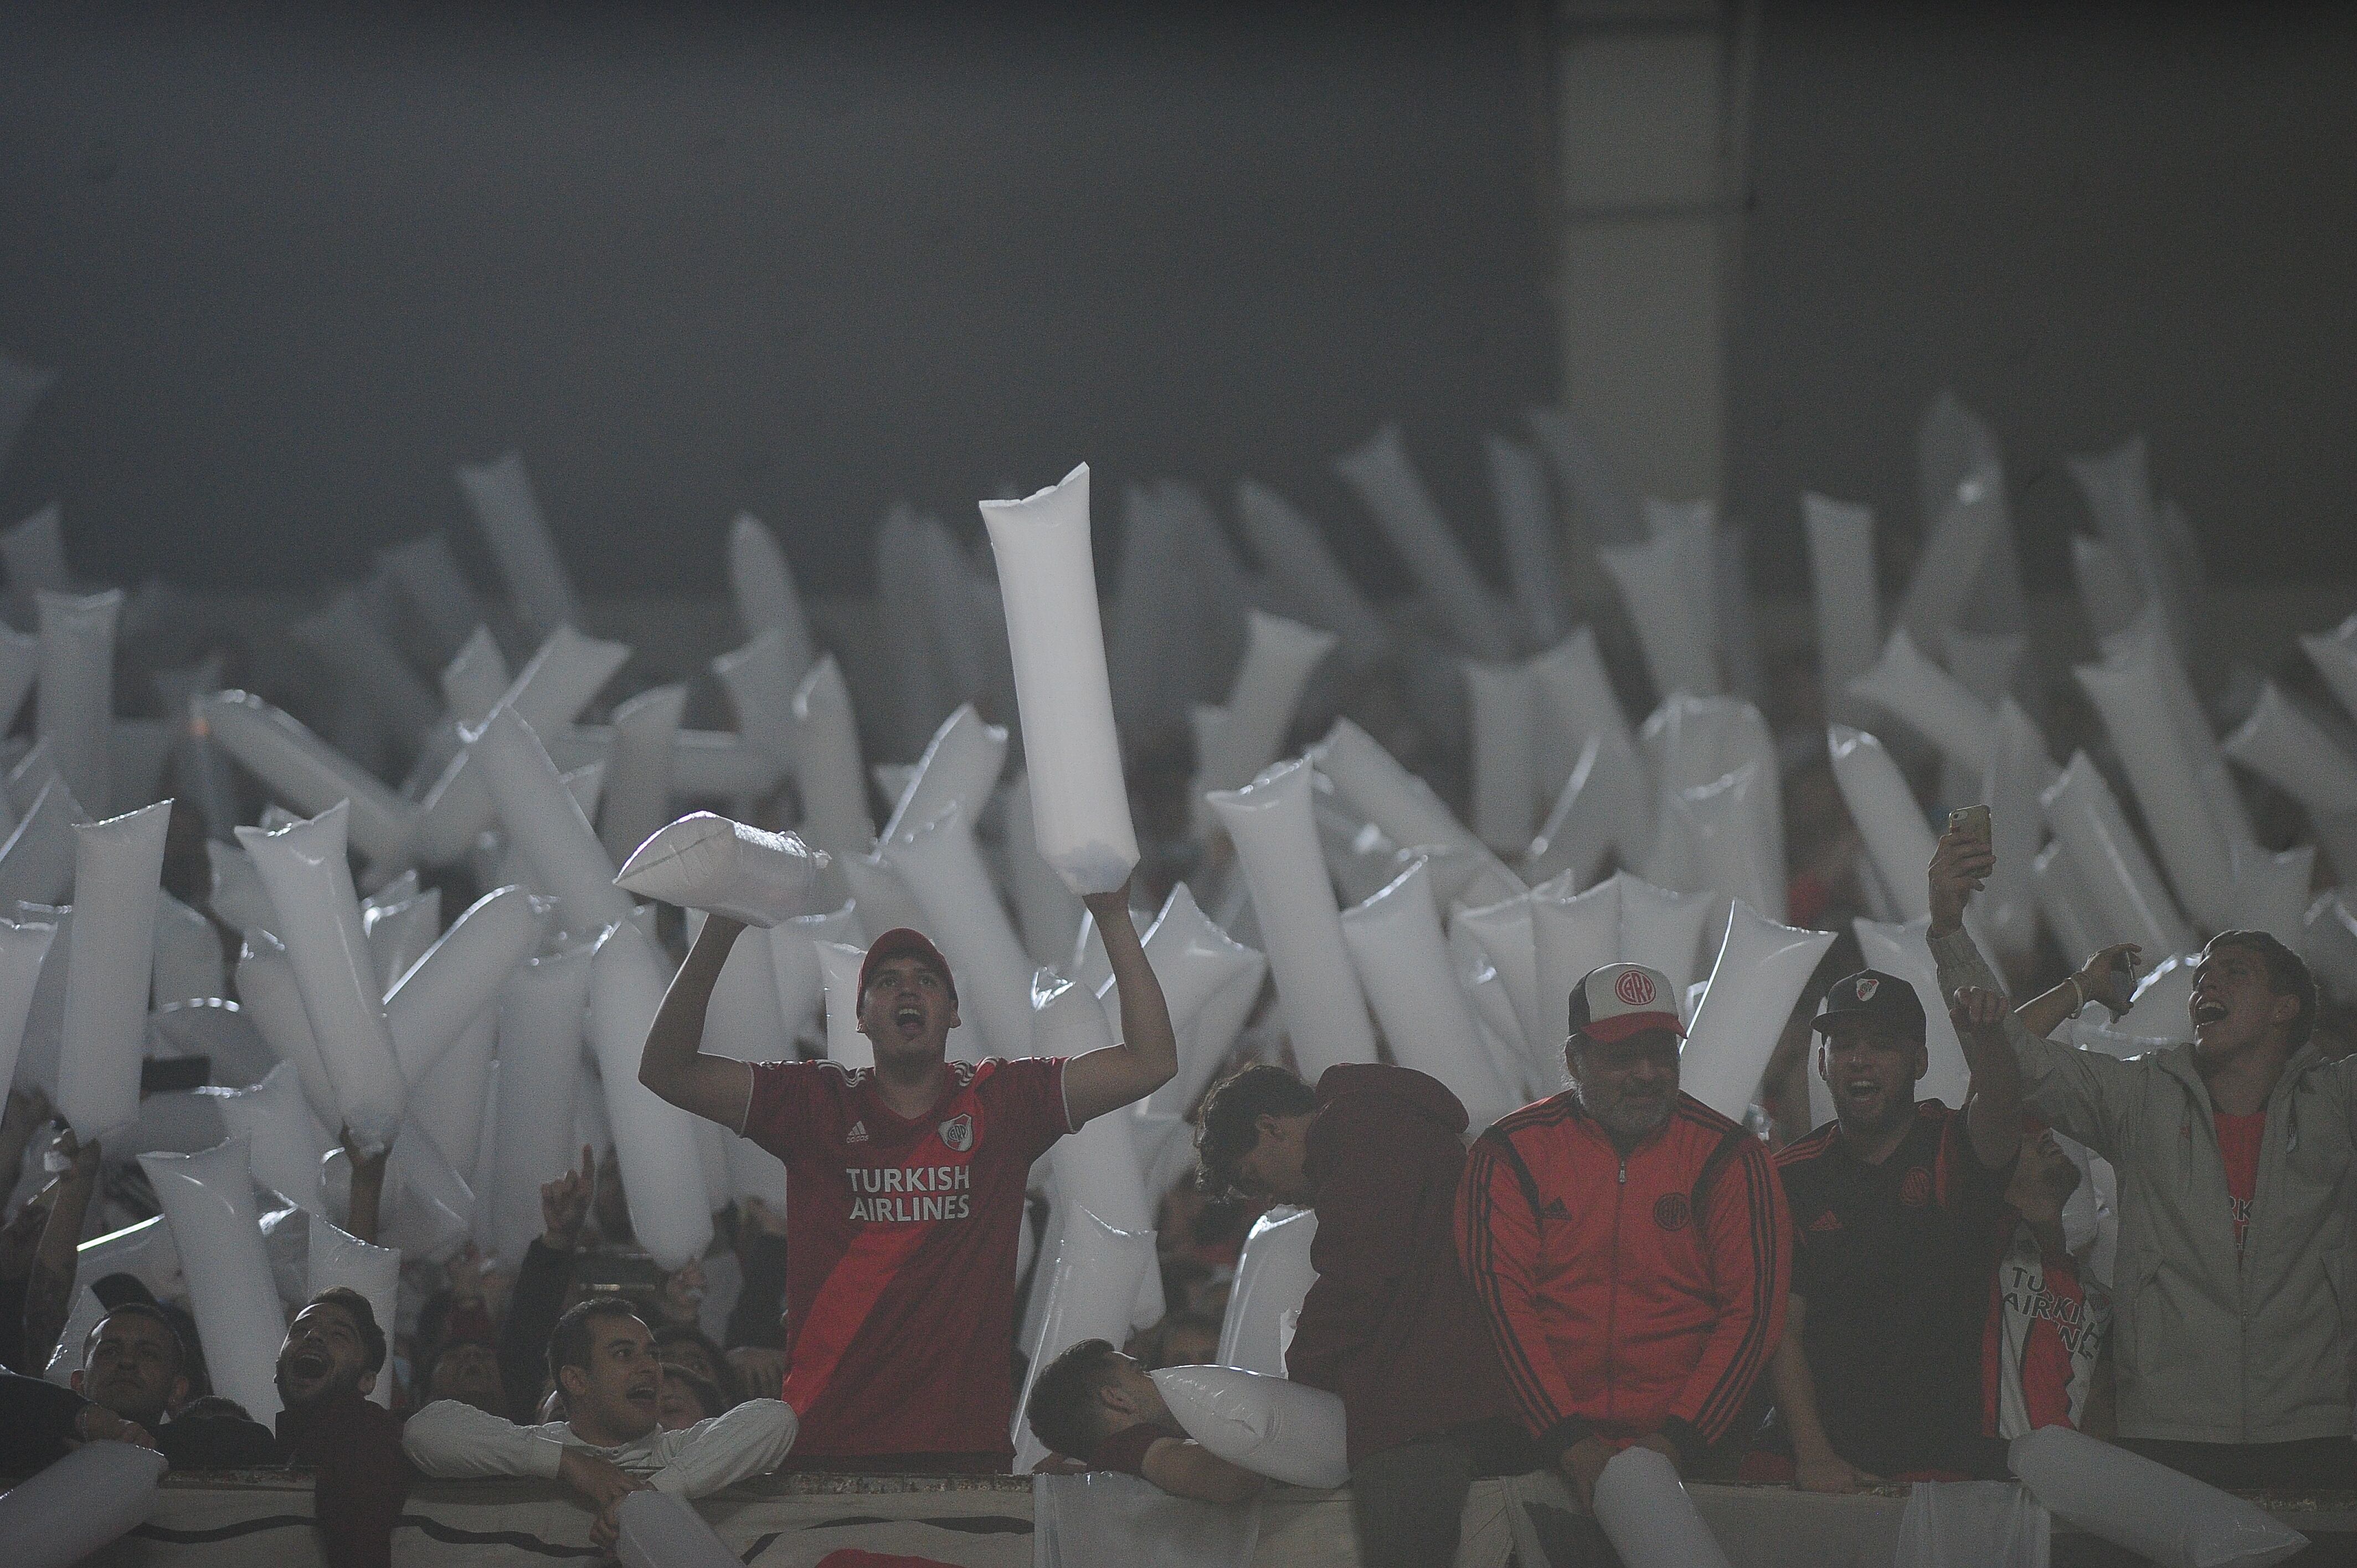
(1646, 1514)
(1577, 698)
(1099, 1167)
(207, 1199)
(1930, 701)
(267, 988)
(1092, 1295)
(1063, 696)
(363, 662)
(111, 950)
(398, 933)
(1278, 842)
(761, 582)
(2153, 1511)
(339, 1258)
(284, 1143)
(655, 1140)
(2334, 654)
(450, 1102)
(1273, 1275)
(548, 694)
(1505, 775)
(1667, 586)
(1403, 962)
(828, 765)
(1292, 552)
(2271, 892)
(1897, 839)
(794, 968)
(2064, 904)
(1762, 969)
(2291, 751)
(2117, 873)
(430, 578)
(1502, 932)
(844, 1044)
(2020, 772)
(1720, 820)
(500, 494)
(638, 770)
(74, 707)
(1901, 951)
(943, 868)
(960, 767)
(305, 772)
(1526, 518)
(710, 862)
(310, 883)
(1660, 929)
(541, 1012)
(2161, 769)
(544, 823)
(447, 989)
(37, 862)
(1372, 782)
(1288, 1432)
(1196, 962)
(760, 679)
(1572, 934)
(20, 666)
(660, 1530)
(475, 678)
(1280, 656)
(81, 1504)
(1388, 485)
(238, 896)
(1849, 602)
(1050, 912)
(24, 946)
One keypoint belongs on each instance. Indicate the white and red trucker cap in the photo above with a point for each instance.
(1621, 999)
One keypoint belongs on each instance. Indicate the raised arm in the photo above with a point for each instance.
(49, 1290)
(1993, 1104)
(673, 1063)
(1147, 1057)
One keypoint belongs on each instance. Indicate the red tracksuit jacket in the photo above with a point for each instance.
(1626, 1295)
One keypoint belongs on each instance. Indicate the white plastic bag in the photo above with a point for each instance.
(827, 767)
(663, 1530)
(340, 1258)
(943, 868)
(2086, 817)
(544, 822)
(1285, 1431)
(543, 1007)
(1930, 701)
(284, 1143)
(305, 772)
(1897, 839)
(761, 582)
(272, 998)
(2162, 770)
(1280, 656)
(1389, 485)
(79, 1506)
(23, 949)
(1402, 959)
(548, 694)
(1647, 1515)
(1079, 804)
(844, 1044)
(500, 494)
(1092, 1295)
(428, 1008)
(74, 708)
(638, 770)
(1761, 971)
(662, 1171)
(1847, 599)
(111, 954)
(960, 767)
(1973, 1524)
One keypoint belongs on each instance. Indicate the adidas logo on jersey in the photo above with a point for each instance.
(1828, 1220)
(858, 1133)
(1555, 1211)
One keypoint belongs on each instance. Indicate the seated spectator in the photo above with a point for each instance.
(1898, 1206)
(1628, 1243)
(1391, 1324)
(135, 1363)
(544, 1283)
(468, 1370)
(334, 1352)
(1097, 1406)
(602, 1357)
(686, 1399)
(684, 1345)
(2049, 1321)
(2234, 1151)
(41, 1423)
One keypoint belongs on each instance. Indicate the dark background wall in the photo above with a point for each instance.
(812, 260)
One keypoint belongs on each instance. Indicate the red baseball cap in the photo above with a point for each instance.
(903, 942)
(1622, 999)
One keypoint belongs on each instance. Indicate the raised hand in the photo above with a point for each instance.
(2109, 977)
(564, 1203)
(683, 1292)
(1960, 867)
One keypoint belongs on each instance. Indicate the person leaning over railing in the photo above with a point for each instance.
(2235, 1270)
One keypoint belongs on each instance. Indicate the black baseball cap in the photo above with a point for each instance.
(1874, 997)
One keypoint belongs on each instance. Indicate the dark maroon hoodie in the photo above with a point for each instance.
(1390, 1326)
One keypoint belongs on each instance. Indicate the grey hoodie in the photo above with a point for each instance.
(2210, 1347)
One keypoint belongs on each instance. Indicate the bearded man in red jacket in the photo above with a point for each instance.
(1628, 1243)
(1390, 1326)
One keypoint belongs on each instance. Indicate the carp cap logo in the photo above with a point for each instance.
(958, 1133)
(1634, 987)
(1670, 1211)
(1866, 986)
(1915, 1190)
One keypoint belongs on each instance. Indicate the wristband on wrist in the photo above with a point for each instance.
(2079, 991)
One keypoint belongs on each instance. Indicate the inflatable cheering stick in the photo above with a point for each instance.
(706, 862)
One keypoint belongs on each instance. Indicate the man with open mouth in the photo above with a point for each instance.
(1897, 1208)
(2233, 1149)
(327, 1364)
(602, 1357)
(906, 1190)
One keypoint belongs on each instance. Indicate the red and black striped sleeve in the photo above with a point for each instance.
(1498, 1242)
(1750, 1231)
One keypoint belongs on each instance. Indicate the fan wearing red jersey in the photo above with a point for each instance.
(906, 1190)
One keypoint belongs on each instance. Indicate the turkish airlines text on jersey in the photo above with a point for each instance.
(909, 1193)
